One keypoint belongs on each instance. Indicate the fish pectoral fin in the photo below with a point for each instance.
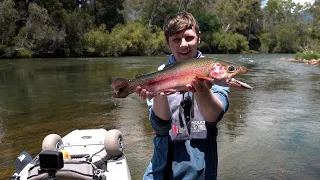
(202, 77)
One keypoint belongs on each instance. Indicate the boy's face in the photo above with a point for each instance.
(184, 44)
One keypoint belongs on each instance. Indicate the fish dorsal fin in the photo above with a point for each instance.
(138, 75)
(169, 65)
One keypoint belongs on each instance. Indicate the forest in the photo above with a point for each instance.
(101, 28)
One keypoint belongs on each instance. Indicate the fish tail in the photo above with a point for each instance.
(122, 87)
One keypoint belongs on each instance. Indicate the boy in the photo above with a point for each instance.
(185, 146)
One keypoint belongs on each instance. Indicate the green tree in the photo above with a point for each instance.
(285, 27)
(96, 42)
(8, 18)
(133, 38)
(225, 42)
(243, 17)
(315, 10)
(208, 24)
(153, 12)
(106, 12)
(77, 24)
(37, 34)
(287, 41)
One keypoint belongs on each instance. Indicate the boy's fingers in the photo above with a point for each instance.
(191, 88)
(208, 84)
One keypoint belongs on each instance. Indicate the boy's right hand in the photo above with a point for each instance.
(143, 93)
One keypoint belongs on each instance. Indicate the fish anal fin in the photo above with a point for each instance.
(169, 91)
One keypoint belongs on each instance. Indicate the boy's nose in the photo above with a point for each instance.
(184, 42)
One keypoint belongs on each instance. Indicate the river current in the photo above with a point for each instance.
(269, 132)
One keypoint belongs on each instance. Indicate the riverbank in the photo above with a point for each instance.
(312, 61)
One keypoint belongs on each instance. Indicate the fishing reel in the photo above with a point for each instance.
(186, 105)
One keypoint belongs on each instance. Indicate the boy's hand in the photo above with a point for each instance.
(199, 85)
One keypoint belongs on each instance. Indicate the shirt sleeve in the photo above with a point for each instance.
(160, 126)
(222, 93)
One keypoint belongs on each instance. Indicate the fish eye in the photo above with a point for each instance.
(231, 68)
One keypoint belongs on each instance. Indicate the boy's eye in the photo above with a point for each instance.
(189, 38)
(176, 40)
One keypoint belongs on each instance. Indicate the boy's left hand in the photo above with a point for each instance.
(199, 85)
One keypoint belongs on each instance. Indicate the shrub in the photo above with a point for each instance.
(23, 53)
(132, 38)
(96, 42)
(3, 49)
(229, 43)
(287, 41)
(308, 55)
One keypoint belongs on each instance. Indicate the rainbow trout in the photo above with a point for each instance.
(176, 76)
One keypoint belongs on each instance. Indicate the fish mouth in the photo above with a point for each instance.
(234, 82)
(240, 84)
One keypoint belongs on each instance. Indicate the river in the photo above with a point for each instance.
(270, 132)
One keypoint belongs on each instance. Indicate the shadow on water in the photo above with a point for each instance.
(270, 132)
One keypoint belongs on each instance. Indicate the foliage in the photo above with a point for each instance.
(37, 35)
(130, 39)
(286, 28)
(287, 40)
(133, 27)
(154, 12)
(23, 53)
(315, 10)
(8, 18)
(209, 24)
(268, 42)
(75, 30)
(107, 12)
(308, 55)
(96, 42)
(3, 49)
(229, 43)
(281, 40)
(135, 39)
(243, 17)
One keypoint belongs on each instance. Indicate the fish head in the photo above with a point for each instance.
(225, 70)
(223, 74)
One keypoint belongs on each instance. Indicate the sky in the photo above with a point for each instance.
(303, 1)
(296, 1)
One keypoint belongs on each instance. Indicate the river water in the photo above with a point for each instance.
(270, 132)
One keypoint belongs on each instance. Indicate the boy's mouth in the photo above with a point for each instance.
(185, 52)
